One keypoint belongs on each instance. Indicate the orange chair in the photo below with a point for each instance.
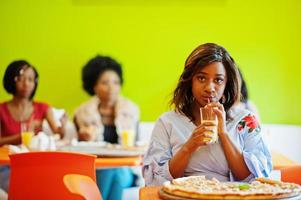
(39, 175)
(290, 170)
(82, 185)
(291, 174)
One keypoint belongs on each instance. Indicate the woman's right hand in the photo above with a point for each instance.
(199, 137)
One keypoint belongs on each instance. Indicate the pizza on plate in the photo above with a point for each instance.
(198, 187)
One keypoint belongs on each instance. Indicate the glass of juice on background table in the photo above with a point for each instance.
(128, 138)
(26, 134)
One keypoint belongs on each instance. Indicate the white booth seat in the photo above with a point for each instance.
(284, 139)
(70, 128)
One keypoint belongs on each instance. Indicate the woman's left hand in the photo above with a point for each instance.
(219, 110)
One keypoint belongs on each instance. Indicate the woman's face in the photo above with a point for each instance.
(25, 83)
(107, 87)
(209, 83)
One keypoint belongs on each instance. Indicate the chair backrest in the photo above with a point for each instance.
(291, 174)
(39, 175)
(83, 186)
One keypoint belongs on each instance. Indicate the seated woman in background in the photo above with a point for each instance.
(21, 80)
(245, 103)
(178, 144)
(104, 116)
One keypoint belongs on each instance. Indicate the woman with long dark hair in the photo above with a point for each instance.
(179, 145)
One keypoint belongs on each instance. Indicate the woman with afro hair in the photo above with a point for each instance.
(104, 116)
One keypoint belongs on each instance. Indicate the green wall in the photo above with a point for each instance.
(152, 40)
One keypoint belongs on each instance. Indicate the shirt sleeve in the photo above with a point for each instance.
(255, 151)
(156, 161)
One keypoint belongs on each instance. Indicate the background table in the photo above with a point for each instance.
(99, 162)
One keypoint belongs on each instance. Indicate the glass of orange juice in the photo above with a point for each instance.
(26, 134)
(209, 117)
(128, 138)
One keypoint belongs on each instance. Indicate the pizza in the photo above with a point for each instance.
(198, 187)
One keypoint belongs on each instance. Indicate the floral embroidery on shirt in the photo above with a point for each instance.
(250, 121)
